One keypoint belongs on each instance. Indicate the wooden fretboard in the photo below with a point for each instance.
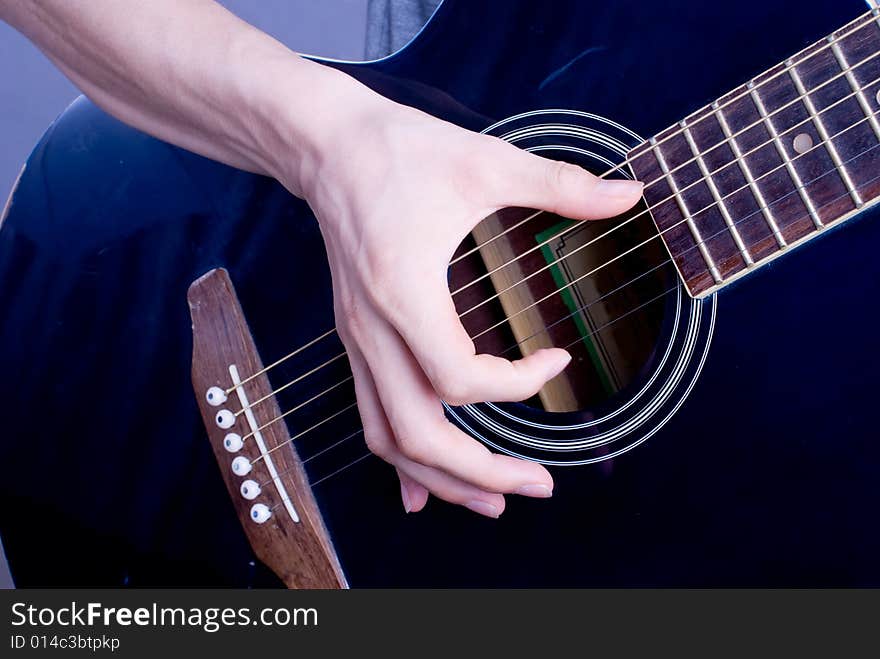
(771, 164)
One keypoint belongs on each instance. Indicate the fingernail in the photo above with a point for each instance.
(562, 363)
(619, 188)
(537, 490)
(483, 508)
(407, 506)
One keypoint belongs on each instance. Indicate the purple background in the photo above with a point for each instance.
(33, 92)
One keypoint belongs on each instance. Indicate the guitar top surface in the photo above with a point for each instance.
(766, 475)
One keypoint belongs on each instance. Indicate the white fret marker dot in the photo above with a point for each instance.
(803, 143)
(878, 97)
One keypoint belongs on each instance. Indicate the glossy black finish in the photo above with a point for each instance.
(766, 476)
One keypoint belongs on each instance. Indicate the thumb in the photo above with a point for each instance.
(567, 190)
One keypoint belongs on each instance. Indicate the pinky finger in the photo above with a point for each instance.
(413, 493)
(380, 440)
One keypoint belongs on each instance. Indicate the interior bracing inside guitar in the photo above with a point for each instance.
(725, 432)
(606, 290)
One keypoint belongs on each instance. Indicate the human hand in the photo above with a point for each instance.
(393, 204)
(395, 192)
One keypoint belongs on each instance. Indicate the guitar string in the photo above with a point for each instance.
(844, 34)
(338, 471)
(585, 307)
(744, 219)
(291, 383)
(719, 202)
(297, 407)
(662, 264)
(277, 362)
(726, 229)
(578, 340)
(700, 179)
(502, 353)
(722, 231)
(361, 430)
(370, 453)
(647, 241)
(783, 165)
(704, 153)
(325, 450)
(830, 42)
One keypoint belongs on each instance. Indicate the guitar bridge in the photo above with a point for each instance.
(259, 464)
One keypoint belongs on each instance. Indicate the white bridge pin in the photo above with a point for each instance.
(233, 442)
(250, 490)
(260, 513)
(215, 396)
(225, 419)
(241, 466)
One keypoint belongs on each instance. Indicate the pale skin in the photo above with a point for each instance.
(379, 177)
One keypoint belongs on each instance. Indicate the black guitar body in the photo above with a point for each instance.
(764, 469)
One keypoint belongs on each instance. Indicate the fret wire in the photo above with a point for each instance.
(848, 29)
(650, 301)
(689, 219)
(823, 132)
(716, 194)
(846, 32)
(764, 208)
(771, 221)
(740, 160)
(630, 250)
(750, 179)
(843, 63)
(780, 149)
(764, 260)
(716, 106)
(806, 238)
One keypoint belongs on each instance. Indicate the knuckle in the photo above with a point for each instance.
(376, 444)
(380, 265)
(383, 277)
(471, 183)
(415, 447)
(562, 174)
(479, 175)
(451, 389)
(349, 316)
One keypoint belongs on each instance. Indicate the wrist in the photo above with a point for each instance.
(306, 116)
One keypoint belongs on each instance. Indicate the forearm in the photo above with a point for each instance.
(191, 73)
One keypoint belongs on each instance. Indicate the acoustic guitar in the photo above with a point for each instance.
(178, 410)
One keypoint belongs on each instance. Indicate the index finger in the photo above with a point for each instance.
(425, 436)
(432, 329)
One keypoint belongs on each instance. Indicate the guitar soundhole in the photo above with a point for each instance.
(606, 291)
(599, 289)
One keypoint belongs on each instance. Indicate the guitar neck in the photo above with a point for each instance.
(771, 164)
